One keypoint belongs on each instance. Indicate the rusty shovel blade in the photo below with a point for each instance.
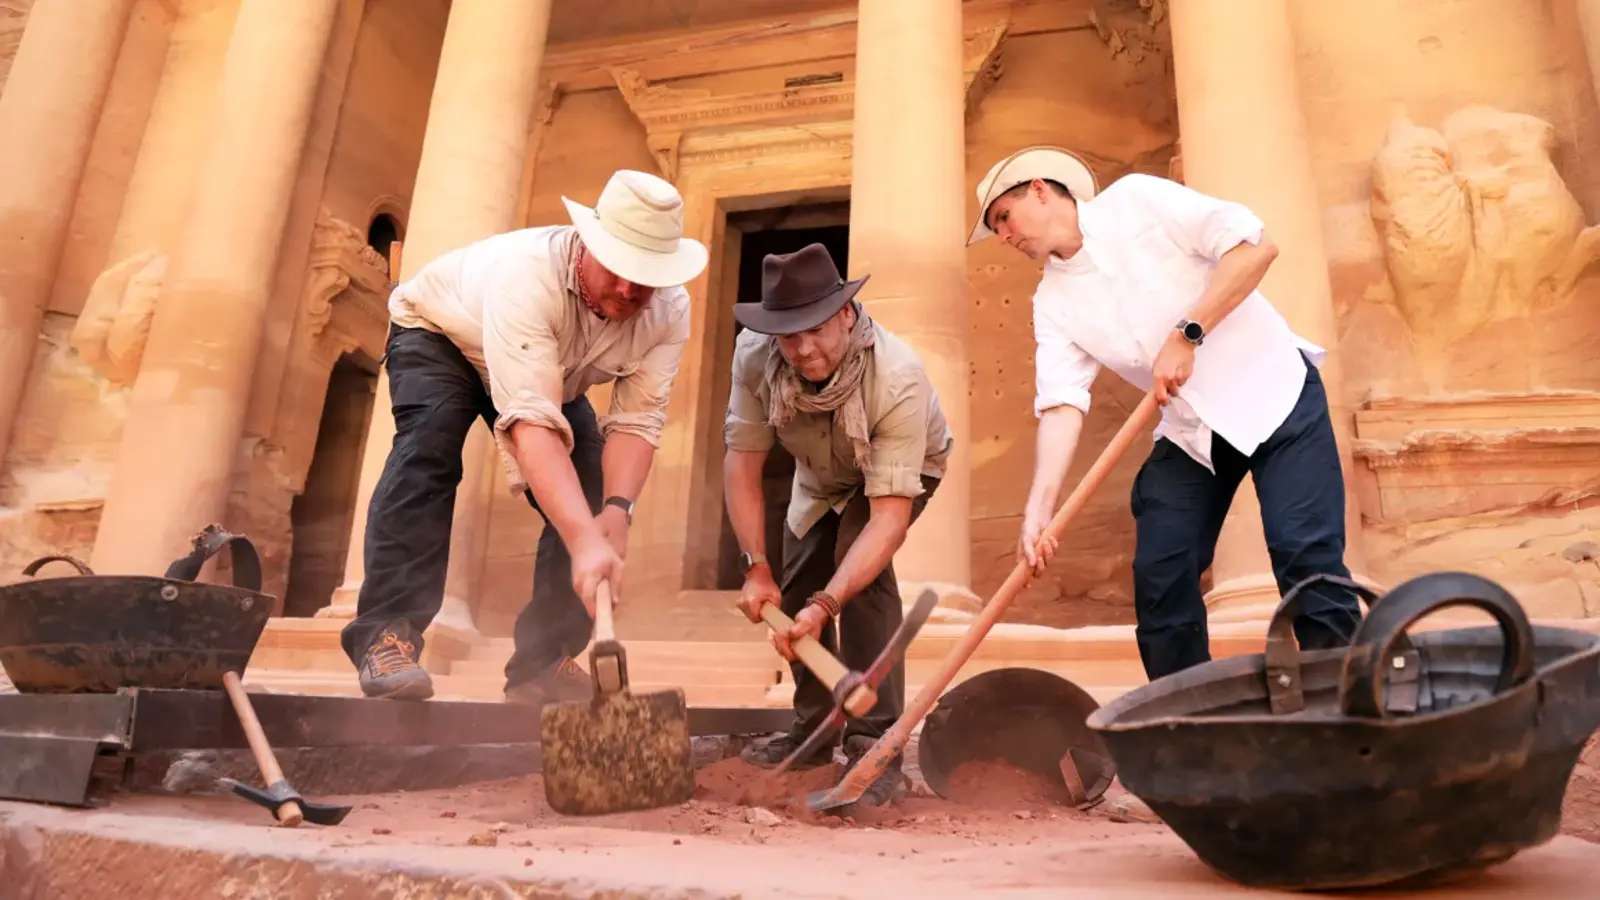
(616, 752)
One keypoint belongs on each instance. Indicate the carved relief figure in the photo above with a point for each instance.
(1476, 223)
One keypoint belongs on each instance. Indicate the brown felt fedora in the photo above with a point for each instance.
(799, 291)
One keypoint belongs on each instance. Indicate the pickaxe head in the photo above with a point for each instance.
(280, 792)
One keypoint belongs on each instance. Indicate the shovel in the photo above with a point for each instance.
(616, 751)
(875, 761)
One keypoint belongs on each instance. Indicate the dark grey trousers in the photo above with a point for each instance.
(436, 395)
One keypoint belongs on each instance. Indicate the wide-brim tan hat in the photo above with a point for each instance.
(1042, 161)
(636, 231)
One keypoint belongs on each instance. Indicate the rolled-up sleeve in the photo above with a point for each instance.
(521, 351)
(746, 428)
(1063, 371)
(899, 440)
(1199, 223)
(639, 399)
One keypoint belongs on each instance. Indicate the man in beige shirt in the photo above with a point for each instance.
(513, 329)
(853, 405)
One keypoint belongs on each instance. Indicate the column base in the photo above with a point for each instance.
(343, 605)
(1243, 598)
(1249, 598)
(957, 603)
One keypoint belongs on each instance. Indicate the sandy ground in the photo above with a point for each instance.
(498, 838)
(734, 802)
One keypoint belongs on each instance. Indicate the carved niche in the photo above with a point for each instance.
(684, 124)
(343, 310)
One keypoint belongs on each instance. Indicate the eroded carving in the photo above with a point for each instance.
(981, 63)
(112, 329)
(1476, 222)
(1131, 29)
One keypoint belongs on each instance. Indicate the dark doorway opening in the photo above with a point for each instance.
(763, 232)
(322, 515)
(383, 231)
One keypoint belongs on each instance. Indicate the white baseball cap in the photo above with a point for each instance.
(635, 230)
(1040, 161)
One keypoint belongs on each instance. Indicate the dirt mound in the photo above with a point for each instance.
(734, 781)
(1580, 812)
(996, 784)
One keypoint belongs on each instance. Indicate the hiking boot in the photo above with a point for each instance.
(564, 680)
(769, 751)
(389, 668)
(889, 787)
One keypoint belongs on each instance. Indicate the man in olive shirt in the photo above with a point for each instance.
(852, 403)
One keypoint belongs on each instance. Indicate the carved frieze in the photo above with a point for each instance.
(1464, 456)
(802, 116)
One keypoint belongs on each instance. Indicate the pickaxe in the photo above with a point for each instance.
(286, 804)
(854, 693)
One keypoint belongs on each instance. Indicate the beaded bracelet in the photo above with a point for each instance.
(826, 601)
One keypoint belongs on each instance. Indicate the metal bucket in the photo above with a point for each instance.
(1029, 718)
(1395, 758)
(98, 633)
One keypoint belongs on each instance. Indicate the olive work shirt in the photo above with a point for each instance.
(907, 434)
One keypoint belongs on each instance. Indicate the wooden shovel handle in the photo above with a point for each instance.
(604, 627)
(289, 814)
(867, 770)
(822, 664)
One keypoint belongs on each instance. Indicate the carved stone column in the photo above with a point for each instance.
(466, 189)
(1589, 24)
(907, 227)
(114, 323)
(48, 115)
(1244, 139)
(175, 464)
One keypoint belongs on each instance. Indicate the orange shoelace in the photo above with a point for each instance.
(391, 655)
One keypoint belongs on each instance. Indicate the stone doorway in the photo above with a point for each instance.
(752, 235)
(321, 515)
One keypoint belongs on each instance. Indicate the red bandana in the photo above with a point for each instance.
(583, 291)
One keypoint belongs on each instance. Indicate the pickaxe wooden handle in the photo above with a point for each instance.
(289, 813)
(859, 697)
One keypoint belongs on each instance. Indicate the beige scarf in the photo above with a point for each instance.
(841, 395)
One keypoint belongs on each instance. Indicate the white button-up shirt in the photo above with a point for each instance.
(510, 304)
(1149, 247)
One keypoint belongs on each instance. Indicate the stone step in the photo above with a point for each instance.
(641, 667)
(449, 687)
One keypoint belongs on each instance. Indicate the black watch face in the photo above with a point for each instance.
(1193, 331)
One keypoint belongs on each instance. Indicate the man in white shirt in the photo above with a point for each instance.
(1158, 283)
(514, 329)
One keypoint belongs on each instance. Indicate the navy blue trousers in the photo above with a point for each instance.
(436, 395)
(1178, 508)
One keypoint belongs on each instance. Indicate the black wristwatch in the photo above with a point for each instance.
(1192, 331)
(622, 503)
(748, 561)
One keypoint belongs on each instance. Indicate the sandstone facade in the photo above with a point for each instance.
(1445, 214)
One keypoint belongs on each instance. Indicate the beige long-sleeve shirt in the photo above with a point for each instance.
(906, 430)
(510, 304)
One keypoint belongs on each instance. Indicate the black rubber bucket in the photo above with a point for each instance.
(1396, 758)
(97, 633)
